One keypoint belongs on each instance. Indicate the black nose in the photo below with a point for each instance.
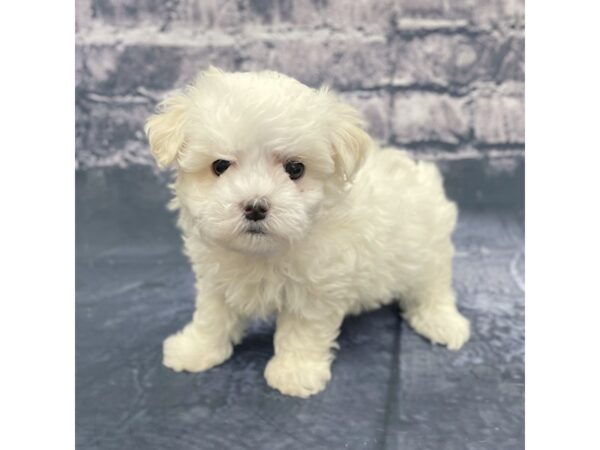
(255, 211)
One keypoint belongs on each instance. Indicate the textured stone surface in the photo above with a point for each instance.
(375, 106)
(427, 117)
(230, 14)
(345, 62)
(499, 119)
(477, 14)
(390, 388)
(337, 14)
(117, 70)
(455, 57)
(455, 61)
(108, 122)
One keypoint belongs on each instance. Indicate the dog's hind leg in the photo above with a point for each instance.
(431, 310)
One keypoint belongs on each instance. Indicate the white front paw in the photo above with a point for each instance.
(296, 376)
(442, 325)
(187, 350)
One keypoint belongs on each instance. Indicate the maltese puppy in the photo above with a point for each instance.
(288, 208)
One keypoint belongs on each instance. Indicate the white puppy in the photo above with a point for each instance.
(288, 208)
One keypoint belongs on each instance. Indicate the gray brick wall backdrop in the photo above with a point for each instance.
(443, 79)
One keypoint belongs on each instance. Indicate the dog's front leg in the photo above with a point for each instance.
(303, 352)
(208, 340)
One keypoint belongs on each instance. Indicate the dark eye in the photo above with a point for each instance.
(220, 166)
(294, 169)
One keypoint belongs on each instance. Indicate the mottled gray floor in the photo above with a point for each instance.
(390, 388)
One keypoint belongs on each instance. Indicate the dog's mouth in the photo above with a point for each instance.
(255, 230)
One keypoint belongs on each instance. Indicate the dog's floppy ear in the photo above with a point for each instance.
(165, 129)
(351, 144)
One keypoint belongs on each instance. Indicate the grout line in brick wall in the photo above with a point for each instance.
(467, 91)
(118, 99)
(99, 33)
(392, 64)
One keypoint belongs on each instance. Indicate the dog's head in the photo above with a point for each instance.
(258, 156)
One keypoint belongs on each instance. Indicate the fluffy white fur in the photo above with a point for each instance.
(361, 228)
